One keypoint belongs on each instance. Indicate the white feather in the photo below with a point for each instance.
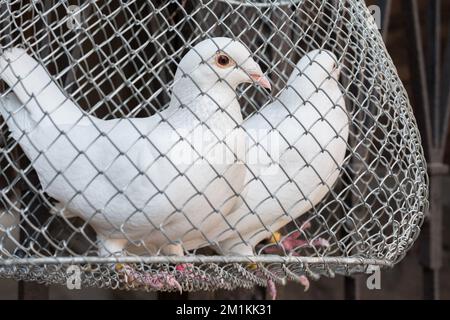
(159, 178)
(294, 165)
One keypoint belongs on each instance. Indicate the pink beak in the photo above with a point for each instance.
(261, 80)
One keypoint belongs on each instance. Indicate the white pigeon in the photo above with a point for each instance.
(296, 148)
(159, 178)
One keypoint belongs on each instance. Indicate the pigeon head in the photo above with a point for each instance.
(319, 65)
(315, 69)
(220, 60)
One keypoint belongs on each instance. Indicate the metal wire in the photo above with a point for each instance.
(118, 59)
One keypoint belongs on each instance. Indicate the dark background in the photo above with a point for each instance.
(410, 279)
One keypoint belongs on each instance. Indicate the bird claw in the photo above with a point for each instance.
(321, 242)
(155, 281)
(289, 244)
(304, 281)
(187, 270)
(173, 283)
(292, 241)
(184, 267)
(271, 289)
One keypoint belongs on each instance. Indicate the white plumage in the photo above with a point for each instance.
(133, 178)
(296, 146)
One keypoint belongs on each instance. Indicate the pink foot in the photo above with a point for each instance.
(292, 242)
(271, 289)
(289, 244)
(304, 281)
(156, 281)
(187, 269)
(184, 267)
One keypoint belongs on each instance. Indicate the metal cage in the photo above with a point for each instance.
(118, 59)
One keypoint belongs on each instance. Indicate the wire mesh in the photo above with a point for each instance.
(338, 184)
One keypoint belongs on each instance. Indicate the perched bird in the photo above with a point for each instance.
(159, 178)
(296, 147)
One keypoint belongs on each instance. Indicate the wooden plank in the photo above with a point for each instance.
(445, 91)
(385, 7)
(351, 289)
(418, 74)
(33, 291)
(433, 59)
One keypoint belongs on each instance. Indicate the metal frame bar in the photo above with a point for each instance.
(429, 86)
(197, 259)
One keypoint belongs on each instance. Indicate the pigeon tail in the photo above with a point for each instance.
(35, 89)
(15, 115)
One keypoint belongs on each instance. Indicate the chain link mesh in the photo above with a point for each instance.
(118, 60)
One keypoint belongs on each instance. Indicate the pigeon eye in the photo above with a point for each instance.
(222, 60)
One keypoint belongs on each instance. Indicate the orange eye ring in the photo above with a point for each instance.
(223, 60)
